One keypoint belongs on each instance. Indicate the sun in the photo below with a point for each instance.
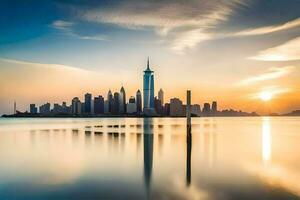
(265, 95)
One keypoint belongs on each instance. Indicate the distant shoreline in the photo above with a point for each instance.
(81, 117)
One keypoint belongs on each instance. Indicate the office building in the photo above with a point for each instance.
(161, 96)
(88, 103)
(45, 108)
(196, 110)
(110, 100)
(98, 105)
(158, 106)
(214, 108)
(76, 106)
(131, 106)
(122, 101)
(176, 107)
(116, 104)
(138, 101)
(206, 109)
(106, 107)
(33, 109)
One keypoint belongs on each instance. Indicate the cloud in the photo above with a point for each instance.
(274, 73)
(186, 24)
(269, 29)
(67, 28)
(272, 91)
(62, 25)
(284, 52)
(45, 65)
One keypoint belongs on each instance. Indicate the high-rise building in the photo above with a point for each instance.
(45, 108)
(167, 109)
(176, 107)
(122, 101)
(131, 106)
(214, 107)
(116, 103)
(106, 107)
(196, 110)
(33, 109)
(206, 109)
(161, 96)
(65, 108)
(138, 101)
(148, 84)
(88, 103)
(98, 105)
(158, 106)
(76, 106)
(110, 100)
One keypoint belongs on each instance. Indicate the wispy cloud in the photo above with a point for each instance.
(273, 73)
(67, 28)
(62, 25)
(284, 52)
(186, 24)
(269, 29)
(44, 65)
(272, 91)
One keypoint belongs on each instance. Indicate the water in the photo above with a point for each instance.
(110, 158)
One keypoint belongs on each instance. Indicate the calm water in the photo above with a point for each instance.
(224, 158)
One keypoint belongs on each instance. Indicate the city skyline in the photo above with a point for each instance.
(246, 49)
(116, 104)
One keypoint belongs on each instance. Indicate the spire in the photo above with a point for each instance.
(148, 67)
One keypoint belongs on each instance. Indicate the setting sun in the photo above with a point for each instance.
(265, 95)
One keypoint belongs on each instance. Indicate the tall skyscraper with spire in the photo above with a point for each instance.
(148, 84)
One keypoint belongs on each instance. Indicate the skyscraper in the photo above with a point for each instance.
(110, 101)
(33, 109)
(76, 106)
(116, 103)
(88, 103)
(158, 106)
(122, 101)
(176, 107)
(131, 106)
(45, 108)
(99, 105)
(161, 96)
(214, 107)
(148, 84)
(206, 109)
(138, 101)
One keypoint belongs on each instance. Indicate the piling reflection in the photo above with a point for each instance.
(188, 156)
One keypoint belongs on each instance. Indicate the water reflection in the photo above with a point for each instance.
(222, 158)
(266, 140)
(148, 153)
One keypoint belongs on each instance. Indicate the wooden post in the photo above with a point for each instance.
(188, 110)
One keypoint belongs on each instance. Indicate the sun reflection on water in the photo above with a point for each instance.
(266, 140)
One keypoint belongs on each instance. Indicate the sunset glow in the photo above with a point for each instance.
(266, 95)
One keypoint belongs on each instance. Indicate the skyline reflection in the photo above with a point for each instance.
(109, 160)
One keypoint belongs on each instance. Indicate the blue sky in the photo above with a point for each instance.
(203, 41)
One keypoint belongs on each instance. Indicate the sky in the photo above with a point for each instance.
(243, 53)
